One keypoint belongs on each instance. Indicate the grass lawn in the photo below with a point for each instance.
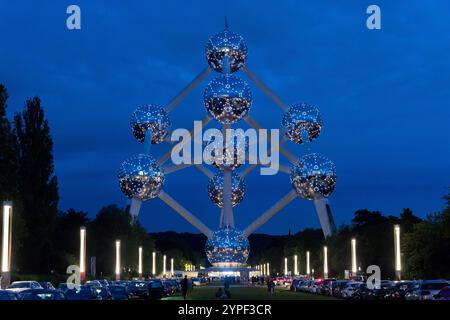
(256, 293)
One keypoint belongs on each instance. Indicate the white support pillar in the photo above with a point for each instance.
(171, 267)
(153, 263)
(164, 265)
(266, 216)
(325, 216)
(118, 266)
(295, 265)
(285, 266)
(397, 251)
(354, 261)
(308, 267)
(140, 262)
(189, 217)
(325, 262)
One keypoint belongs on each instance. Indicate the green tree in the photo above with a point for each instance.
(37, 186)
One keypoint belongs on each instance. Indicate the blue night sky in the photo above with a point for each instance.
(384, 96)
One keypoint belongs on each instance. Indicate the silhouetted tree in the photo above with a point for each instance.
(37, 186)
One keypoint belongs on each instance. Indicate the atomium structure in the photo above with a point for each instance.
(228, 100)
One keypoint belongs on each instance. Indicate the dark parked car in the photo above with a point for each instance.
(8, 295)
(156, 289)
(42, 294)
(444, 294)
(138, 290)
(398, 290)
(104, 293)
(47, 285)
(85, 293)
(118, 292)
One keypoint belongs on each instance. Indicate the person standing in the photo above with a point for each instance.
(184, 287)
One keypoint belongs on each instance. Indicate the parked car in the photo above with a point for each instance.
(444, 294)
(349, 289)
(156, 289)
(42, 294)
(169, 288)
(398, 290)
(337, 287)
(196, 281)
(84, 293)
(18, 286)
(118, 292)
(426, 289)
(8, 295)
(47, 285)
(138, 290)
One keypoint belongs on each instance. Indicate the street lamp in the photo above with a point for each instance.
(398, 260)
(117, 259)
(171, 267)
(6, 244)
(164, 266)
(285, 266)
(268, 269)
(354, 264)
(82, 253)
(295, 265)
(308, 270)
(325, 262)
(153, 263)
(140, 262)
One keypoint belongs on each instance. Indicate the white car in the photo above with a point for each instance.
(426, 289)
(19, 286)
(350, 289)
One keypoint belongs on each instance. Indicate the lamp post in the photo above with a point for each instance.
(140, 263)
(82, 253)
(153, 263)
(164, 265)
(285, 266)
(398, 260)
(325, 262)
(295, 265)
(6, 244)
(354, 263)
(308, 270)
(268, 269)
(171, 267)
(117, 259)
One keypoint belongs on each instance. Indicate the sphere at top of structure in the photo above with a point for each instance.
(150, 117)
(314, 176)
(227, 99)
(302, 118)
(140, 177)
(228, 247)
(215, 189)
(226, 51)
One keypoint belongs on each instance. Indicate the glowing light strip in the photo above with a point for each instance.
(325, 262)
(117, 257)
(285, 266)
(295, 265)
(153, 263)
(171, 267)
(7, 212)
(140, 261)
(398, 262)
(82, 249)
(164, 265)
(354, 267)
(308, 270)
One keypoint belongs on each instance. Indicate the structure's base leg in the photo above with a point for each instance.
(325, 216)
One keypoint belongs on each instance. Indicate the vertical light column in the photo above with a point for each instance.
(153, 263)
(268, 269)
(117, 259)
(140, 263)
(325, 262)
(164, 265)
(295, 265)
(171, 267)
(397, 250)
(82, 253)
(6, 244)
(354, 264)
(308, 270)
(285, 266)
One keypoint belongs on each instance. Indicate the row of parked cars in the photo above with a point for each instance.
(387, 290)
(153, 289)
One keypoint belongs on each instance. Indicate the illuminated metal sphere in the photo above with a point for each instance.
(226, 51)
(140, 177)
(230, 157)
(313, 176)
(215, 189)
(227, 99)
(302, 118)
(228, 247)
(150, 117)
